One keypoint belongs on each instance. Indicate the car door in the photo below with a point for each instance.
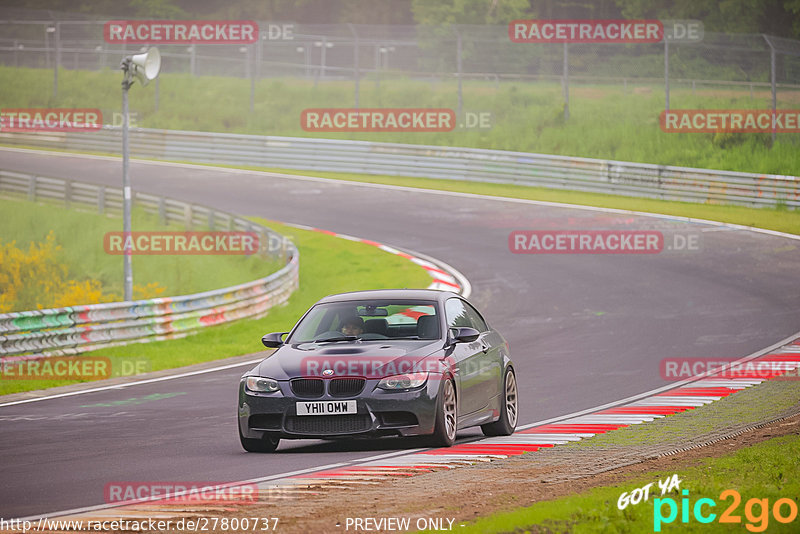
(491, 361)
(470, 359)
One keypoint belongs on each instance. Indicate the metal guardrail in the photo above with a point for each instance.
(479, 165)
(79, 328)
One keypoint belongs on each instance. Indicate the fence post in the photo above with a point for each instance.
(211, 216)
(67, 193)
(32, 189)
(252, 53)
(377, 67)
(57, 60)
(458, 66)
(356, 69)
(666, 74)
(565, 81)
(772, 83)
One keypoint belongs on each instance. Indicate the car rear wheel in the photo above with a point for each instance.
(507, 423)
(266, 444)
(444, 433)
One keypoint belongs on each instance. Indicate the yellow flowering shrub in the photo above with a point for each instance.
(37, 279)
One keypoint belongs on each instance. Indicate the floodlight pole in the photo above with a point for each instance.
(127, 81)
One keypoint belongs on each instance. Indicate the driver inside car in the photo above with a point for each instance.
(353, 326)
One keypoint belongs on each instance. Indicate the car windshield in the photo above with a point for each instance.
(368, 320)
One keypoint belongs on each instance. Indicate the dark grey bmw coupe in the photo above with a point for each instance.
(376, 363)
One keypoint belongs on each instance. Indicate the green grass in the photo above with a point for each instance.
(80, 235)
(777, 461)
(327, 265)
(606, 121)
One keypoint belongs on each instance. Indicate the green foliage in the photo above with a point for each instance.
(446, 12)
(596, 510)
(606, 121)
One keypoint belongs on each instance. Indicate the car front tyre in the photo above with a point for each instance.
(509, 410)
(444, 432)
(266, 444)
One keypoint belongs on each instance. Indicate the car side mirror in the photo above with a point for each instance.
(464, 334)
(273, 340)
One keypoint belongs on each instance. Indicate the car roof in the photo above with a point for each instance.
(412, 294)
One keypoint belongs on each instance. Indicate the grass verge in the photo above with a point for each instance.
(778, 462)
(327, 265)
(80, 236)
(606, 121)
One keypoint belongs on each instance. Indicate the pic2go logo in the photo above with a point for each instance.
(756, 511)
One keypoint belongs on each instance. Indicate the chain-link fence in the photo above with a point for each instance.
(340, 51)
(765, 67)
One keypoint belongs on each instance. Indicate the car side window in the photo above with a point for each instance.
(456, 313)
(475, 318)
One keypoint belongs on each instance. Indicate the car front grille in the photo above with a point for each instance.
(345, 387)
(328, 424)
(308, 387)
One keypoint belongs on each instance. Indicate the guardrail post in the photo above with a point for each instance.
(32, 189)
(188, 215)
(211, 216)
(101, 200)
(162, 211)
(67, 193)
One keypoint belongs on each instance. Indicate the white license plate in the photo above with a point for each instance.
(326, 407)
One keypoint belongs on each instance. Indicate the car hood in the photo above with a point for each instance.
(371, 360)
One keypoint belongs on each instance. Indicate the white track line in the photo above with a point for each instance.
(136, 383)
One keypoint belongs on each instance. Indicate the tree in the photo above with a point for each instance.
(447, 12)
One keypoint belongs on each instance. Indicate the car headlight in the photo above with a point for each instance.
(260, 384)
(404, 381)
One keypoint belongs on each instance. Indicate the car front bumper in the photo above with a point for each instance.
(379, 413)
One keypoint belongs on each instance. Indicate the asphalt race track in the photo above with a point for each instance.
(584, 329)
